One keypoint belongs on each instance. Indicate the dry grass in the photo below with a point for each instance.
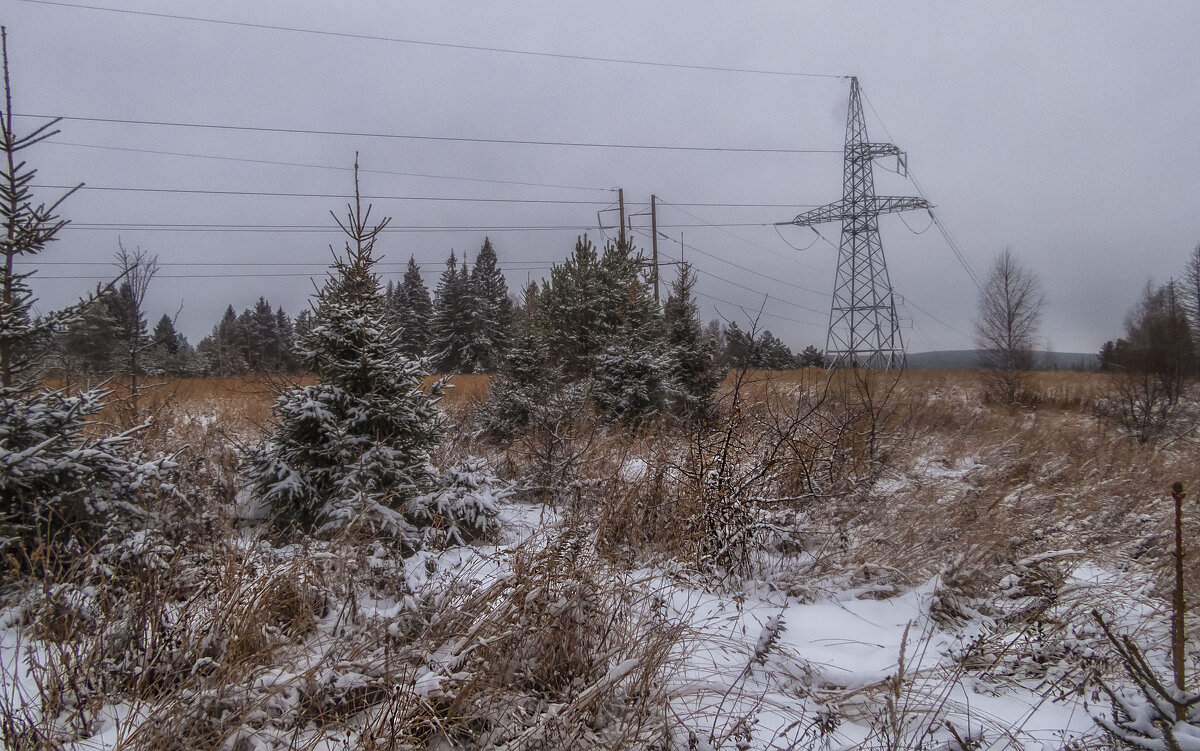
(873, 484)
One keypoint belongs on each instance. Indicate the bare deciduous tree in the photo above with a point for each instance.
(1151, 368)
(1010, 309)
(138, 269)
(1190, 295)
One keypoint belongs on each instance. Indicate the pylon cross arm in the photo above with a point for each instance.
(845, 210)
(871, 150)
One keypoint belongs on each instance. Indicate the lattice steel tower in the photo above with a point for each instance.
(863, 328)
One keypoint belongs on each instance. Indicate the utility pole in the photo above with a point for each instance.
(863, 327)
(654, 241)
(621, 203)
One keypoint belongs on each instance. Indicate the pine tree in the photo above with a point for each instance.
(492, 311)
(413, 310)
(450, 331)
(350, 451)
(691, 377)
(59, 485)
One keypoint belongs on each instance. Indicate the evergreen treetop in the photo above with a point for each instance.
(350, 452)
(451, 336)
(491, 312)
(413, 310)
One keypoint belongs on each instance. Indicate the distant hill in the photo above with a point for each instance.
(969, 358)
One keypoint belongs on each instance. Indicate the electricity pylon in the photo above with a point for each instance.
(863, 328)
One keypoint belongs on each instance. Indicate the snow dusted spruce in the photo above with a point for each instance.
(596, 324)
(412, 310)
(57, 485)
(491, 311)
(450, 327)
(352, 450)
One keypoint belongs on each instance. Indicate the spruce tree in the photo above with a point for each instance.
(628, 376)
(286, 333)
(221, 351)
(739, 346)
(770, 353)
(60, 485)
(87, 343)
(573, 311)
(164, 335)
(492, 311)
(413, 310)
(526, 378)
(263, 338)
(169, 353)
(350, 451)
(450, 331)
(691, 377)
(811, 357)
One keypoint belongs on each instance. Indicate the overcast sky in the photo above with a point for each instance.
(1066, 131)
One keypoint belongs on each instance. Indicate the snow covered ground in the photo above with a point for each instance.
(949, 606)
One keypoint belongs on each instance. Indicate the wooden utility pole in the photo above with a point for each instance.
(621, 203)
(654, 242)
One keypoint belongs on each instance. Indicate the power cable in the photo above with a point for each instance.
(322, 229)
(280, 194)
(95, 277)
(908, 227)
(753, 244)
(742, 286)
(415, 137)
(815, 239)
(323, 166)
(950, 241)
(446, 45)
(324, 263)
(956, 330)
(769, 315)
(731, 263)
(283, 194)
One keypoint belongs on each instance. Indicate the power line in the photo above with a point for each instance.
(765, 313)
(425, 43)
(415, 137)
(748, 242)
(956, 330)
(731, 263)
(342, 196)
(325, 263)
(322, 229)
(751, 289)
(95, 277)
(736, 284)
(280, 194)
(273, 162)
(945, 233)
(313, 229)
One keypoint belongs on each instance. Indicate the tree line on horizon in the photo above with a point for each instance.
(465, 325)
